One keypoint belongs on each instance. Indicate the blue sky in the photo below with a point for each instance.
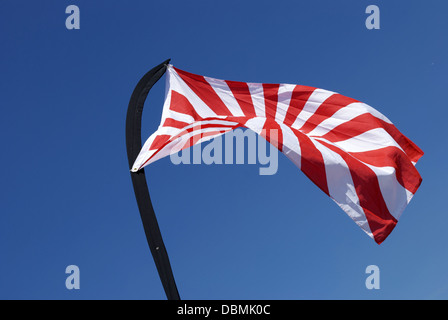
(66, 194)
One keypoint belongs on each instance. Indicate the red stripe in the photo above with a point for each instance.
(312, 162)
(406, 173)
(273, 133)
(195, 138)
(270, 92)
(411, 149)
(159, 141)
(353, 128)
(174, 123)
(326, 110)
(299, 97)
(205, 92)
(180, 103)
(367, 187)
(241, 92)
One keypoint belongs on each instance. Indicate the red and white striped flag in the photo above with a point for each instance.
(351, 151)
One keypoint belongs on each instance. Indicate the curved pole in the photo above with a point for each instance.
(147, 214)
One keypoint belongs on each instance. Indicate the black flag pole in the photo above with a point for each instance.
(147, 214)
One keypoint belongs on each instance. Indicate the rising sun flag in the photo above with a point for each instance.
(352, 152)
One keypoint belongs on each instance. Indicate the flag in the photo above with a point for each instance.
(351, 151)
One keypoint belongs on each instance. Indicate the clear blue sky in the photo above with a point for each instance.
(66, 194)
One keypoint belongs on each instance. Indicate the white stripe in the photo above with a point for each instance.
(291, 146)
(145, 153)
(370, 140)
(225, 94)
(284, 99)
(204, 139)
(166, 130)
(183, 117)
(172, 131)
(167, 103)
(199, 124)
(376, 113)
(256, 124)
(184, 138)
(257, 95)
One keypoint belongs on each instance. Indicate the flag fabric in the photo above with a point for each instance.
(351, 151)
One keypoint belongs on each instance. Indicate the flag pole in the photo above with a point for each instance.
(147, 214)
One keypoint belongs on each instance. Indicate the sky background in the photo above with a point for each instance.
(66, 195)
